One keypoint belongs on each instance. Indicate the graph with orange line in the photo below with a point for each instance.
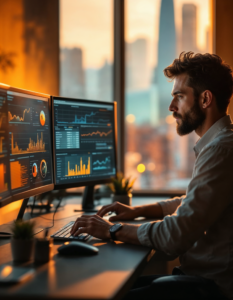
(19, 174)
(18, 118)
(3, 185)
(97, 133)
(38, 146)
(82, 169)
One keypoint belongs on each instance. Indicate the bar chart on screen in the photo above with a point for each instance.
(79, 165)
(3, 184)
(2, 119)
(1, 143)
(32, 146)
(19, 173)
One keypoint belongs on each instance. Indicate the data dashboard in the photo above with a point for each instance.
(84, 140)
(25, 142)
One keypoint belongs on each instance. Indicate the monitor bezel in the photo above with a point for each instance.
(58, 186)
(44, 188)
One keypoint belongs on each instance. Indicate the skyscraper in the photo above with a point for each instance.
(105, 82)
(137, 72)
(72, 73)
(189, 27)
(166, 54)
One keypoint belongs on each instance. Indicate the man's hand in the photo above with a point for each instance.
(124, 212)
(93, 225)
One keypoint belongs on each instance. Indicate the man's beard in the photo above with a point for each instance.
(191, 120)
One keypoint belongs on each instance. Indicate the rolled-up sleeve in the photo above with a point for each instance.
(143, 234)
(208, 195)
(169, 206)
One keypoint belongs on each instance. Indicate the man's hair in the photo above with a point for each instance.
(205, 72)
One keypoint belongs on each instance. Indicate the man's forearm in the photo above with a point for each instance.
(128, 234)
(149, 211)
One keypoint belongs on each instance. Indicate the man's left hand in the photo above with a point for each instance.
(93, 225)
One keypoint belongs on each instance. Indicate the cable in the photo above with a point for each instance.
(60, 200)
(48, 227)
(53, 218)
(60, 218)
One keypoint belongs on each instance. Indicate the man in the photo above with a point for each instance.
(197, 227)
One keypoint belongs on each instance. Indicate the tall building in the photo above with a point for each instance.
(189, 27)
(137, 68)
(91, 83)
(166, 54)
(72, 73)
(105, 82)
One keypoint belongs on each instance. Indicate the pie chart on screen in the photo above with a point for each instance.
(34, 170)
(42, 118)
(43, 168)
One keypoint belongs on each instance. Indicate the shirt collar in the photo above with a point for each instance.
(211, 133)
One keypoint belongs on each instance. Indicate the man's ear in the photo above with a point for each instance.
(206, 99)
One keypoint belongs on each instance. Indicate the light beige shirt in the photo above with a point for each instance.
(199, 226)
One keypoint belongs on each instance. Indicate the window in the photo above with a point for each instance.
(156, 32)
(86, 49)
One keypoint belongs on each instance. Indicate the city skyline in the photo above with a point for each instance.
(142, 21)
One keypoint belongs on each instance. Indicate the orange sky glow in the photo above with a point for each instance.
(88, 24)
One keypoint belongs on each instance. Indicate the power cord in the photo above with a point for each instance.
(60, 218)
(48, 227)
(60, 200)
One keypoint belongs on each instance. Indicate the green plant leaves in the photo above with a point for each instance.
(23, 229)
(121, 185)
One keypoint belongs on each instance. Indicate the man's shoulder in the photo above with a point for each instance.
(223, 141)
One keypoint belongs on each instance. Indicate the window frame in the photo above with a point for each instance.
(119, 90)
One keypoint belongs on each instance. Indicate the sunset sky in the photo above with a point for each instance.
(88, 24)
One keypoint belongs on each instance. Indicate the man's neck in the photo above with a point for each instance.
(209, 122)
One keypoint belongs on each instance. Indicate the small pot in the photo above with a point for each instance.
(124, 199)
(43, 250)
(22, 249)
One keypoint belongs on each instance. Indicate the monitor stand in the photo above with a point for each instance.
(88, 199)
(22, 209)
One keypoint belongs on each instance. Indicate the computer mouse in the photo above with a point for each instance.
(77, 248)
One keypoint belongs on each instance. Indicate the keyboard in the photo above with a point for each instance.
(63, 234)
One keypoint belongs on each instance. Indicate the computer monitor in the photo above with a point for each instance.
(25, 144)
(84, 144)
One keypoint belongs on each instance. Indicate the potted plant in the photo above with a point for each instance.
(122, 188)
(22, 241)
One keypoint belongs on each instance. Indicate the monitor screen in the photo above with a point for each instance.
(25, 144)
(84, 141)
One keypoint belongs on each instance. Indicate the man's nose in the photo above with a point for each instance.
(172, 106)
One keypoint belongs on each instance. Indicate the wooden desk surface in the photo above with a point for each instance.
(108, 275)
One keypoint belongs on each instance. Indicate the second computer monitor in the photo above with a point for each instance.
(84, 142)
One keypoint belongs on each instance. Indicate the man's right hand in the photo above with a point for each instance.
(123, 212)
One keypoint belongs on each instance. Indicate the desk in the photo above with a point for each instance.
(107, 275)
